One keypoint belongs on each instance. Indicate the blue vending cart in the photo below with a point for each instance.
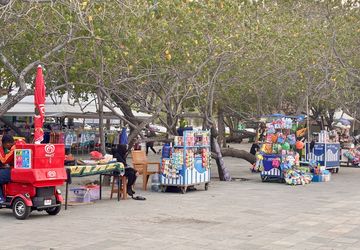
(189, 163)
(325, 154)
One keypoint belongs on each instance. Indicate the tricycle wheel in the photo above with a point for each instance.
(53, 210)
(183, 190)
(20, 210)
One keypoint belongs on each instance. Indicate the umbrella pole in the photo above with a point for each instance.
(354, 123)
(307, 118)
(101, 122)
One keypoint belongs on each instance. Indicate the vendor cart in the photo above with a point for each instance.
(278, 143)
(325, 154)
(189, 163)
(38, 170)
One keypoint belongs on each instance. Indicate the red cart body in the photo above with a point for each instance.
(38, 169)
(47, 165)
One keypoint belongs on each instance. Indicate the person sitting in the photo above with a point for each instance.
(6, 160)
(131, 174)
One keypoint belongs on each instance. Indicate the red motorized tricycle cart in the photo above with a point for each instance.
(38, 169)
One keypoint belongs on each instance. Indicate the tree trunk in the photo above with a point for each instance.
(4, 2)
(101, 99)
(330, 119)
(101, 124)
(224, 174)
(238, 137)
(108, 124)
(171, 123)
(11, 101)
(322, 123)
(126, 109)
(237, 153)
(221, 127)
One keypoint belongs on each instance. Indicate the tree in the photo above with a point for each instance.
(23, 27)
(234, 59)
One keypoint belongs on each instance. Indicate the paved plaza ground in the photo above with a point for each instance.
(230, 215)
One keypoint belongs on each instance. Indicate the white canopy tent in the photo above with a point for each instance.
(340, 114)
(60, 107)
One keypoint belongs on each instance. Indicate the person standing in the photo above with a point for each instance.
(6, 160)
(254, 148)
(150, 144)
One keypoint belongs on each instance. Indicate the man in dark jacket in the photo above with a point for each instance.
(254, 148)
(150, 144)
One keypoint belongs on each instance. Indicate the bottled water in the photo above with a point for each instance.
(87, 197)
(155, 183)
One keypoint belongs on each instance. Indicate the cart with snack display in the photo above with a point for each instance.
(279, 159)
(188, 163)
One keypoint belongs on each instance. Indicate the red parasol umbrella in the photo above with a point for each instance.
(39, 106)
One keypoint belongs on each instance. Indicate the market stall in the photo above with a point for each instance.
(342, 127)
(279, 155)
(116, 168)
(188, 163)
(81, 140)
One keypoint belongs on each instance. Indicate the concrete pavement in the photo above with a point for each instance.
(230, 215)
